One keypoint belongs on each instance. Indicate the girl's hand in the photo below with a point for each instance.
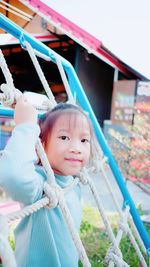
(24, 111)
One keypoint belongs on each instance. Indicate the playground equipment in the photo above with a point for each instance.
(76, 94)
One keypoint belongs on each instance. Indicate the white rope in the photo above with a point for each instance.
(74, 233)
(41, 74)
(54, 192)
(44, 160)
(123, 226)
(136, 233)
(5, 70)
(56, 196)
(16, 9)
(10, 93)
(101, 168)
(65, 81)
(15, 13)
(9, 98)
(71, 186)
(111, 256)
(42, 203)
(124, 221)
(43, 56)
(28, 210)
(97, 154)
(84, 178)
(135, 245)
(121, 229)
(127, 228)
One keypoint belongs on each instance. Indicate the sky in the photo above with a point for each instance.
(122, 26)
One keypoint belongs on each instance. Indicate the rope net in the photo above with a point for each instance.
(54, 195)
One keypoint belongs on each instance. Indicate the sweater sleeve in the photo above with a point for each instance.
(18, 175)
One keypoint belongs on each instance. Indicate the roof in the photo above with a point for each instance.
(8, 39)
(112, 30)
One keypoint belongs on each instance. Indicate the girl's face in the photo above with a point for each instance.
(68, 147)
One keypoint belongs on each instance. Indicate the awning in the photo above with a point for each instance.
(113, 31)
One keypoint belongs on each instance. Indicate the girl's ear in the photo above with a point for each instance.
(44, 146)
(38, 161)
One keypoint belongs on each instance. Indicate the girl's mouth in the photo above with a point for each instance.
(73, 160)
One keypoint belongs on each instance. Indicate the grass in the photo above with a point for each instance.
(96, 241)
(95, 238)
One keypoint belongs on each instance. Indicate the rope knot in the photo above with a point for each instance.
(10, 95)
(117, 259)
(111, 252)
(54, 194)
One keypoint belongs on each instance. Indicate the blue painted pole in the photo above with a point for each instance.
(82, 98)
(9, 113)
(22, 36)
(6, 112)
(76, 87)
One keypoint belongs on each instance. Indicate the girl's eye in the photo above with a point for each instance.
(84, 140)
(63, 137)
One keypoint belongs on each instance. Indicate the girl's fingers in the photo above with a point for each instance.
(22, 97)
(25, 98)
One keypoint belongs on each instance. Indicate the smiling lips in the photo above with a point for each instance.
(73, 160)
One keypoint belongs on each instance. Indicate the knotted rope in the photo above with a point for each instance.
(40, 73)
(54, 194)
(85, 179)
(123, 226)
(113, 258)
(10, 93)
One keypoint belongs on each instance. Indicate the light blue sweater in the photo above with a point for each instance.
(42, 239)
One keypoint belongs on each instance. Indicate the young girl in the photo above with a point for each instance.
(43, 239)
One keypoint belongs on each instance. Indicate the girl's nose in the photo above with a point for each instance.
(75, 146)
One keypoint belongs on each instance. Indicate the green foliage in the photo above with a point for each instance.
(11, 238)
(96, 241)
(131, 148)
(95, 249)
(95, 238)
